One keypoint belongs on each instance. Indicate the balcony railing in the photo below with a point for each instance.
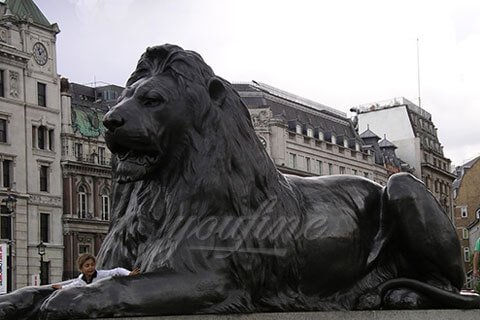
(93, 159)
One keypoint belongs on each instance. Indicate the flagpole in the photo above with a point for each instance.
(418, 72)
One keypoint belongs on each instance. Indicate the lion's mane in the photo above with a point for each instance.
(221, 170)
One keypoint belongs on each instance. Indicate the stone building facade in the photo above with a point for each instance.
(86, 169)
(307, 138)
(412, 130)
(30, 143)
(466, 191)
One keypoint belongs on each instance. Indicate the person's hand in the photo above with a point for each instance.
(57, 286)
(134, 272)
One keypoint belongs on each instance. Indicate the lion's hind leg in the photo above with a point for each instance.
(424, 237)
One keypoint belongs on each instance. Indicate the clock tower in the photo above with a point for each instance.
(30, 149)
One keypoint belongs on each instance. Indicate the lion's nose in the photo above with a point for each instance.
(112, 121)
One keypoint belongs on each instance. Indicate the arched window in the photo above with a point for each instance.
(82, 202)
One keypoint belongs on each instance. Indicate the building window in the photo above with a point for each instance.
(342, 170)
(466, 254)
(79, 151)
(464, 212)
(5, 223)
(2, 84)
(366, 175)
(82, 202)
(41, 133)
(319, 167)
(44, 227)
(298, 129)
(330, 169)
(44, 178)
(42, 94)
(105, 207)
(7, 169)
(51, 139)
(310, 132)
(465, 233)
(354, 172)
(3, 130)
(309, 164)
(84, 248)
(293, 160)
(101, 155)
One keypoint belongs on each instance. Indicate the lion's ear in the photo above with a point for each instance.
(217, 91)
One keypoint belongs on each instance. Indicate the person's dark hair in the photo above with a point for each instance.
(83, 258)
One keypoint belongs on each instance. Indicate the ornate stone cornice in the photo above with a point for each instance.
(45, 200)
(9, 54)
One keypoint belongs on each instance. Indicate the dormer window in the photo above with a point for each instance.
(298, 129)
(310, 132)
(321, 136)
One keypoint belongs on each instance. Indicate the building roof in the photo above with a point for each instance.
(460, 172)
(384, 143)
(89, 107)
(367, 134)
(292, 108)
(27, 9)
(392, 103)
(87, 121)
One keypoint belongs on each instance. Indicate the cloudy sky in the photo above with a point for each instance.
(340, 53)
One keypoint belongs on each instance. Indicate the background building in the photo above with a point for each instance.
(30, 143)
(411, 129)
(307, 138)
(86, 169)
(466, 191)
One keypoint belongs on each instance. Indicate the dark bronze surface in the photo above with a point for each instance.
(199, 206)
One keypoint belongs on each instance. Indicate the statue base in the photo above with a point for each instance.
(431, 314)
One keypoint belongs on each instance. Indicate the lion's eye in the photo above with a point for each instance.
(152, 102)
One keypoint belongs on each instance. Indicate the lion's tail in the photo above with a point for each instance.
(446, 298)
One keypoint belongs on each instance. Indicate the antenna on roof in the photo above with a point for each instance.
(418, 72)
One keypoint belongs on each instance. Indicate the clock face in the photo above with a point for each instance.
(40, 53)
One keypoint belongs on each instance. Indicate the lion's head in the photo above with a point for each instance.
(185, 140)
(164, 105)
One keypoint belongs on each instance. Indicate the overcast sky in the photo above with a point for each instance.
(339, 53)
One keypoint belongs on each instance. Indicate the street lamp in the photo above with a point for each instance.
(10, 203)
(41, 251)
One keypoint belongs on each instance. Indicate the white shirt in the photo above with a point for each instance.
(99, 275)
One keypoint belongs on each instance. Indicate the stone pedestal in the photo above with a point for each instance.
(332, 315)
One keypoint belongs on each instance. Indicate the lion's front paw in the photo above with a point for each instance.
(65, 304)
(8, 310)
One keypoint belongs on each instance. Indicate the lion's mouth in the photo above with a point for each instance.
(134, 165)
(149, 159)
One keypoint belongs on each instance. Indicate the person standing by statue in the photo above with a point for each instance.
(476, 259)
(89, 274)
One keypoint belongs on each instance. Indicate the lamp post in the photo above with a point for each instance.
(41, 251)
(10, 203)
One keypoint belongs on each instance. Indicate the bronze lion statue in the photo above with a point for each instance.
(199, 206)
